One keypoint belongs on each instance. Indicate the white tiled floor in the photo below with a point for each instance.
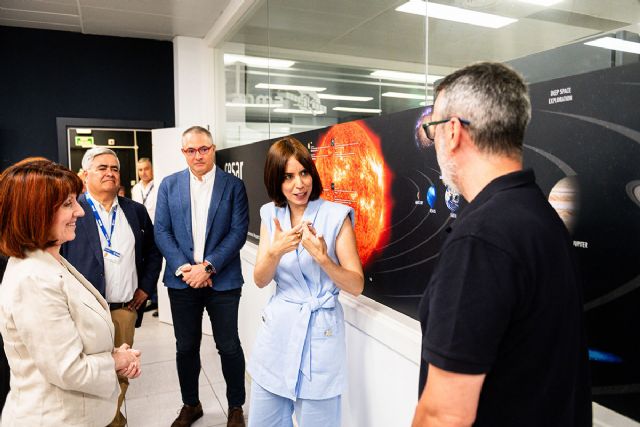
(153, 399)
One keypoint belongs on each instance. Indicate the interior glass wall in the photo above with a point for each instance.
(298, 65)
(295, 65)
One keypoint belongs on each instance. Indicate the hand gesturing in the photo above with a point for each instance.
(286, 241)
(314, 243)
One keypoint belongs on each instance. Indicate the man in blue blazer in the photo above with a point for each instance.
(201, 223)
(114, 249)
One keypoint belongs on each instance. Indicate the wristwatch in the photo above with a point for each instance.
(208, 267)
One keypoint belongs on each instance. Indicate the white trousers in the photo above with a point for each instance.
(270, 410)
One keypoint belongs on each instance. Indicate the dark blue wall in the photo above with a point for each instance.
(48, 74)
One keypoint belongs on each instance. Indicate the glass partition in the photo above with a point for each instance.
(292, 66)
(297, 66)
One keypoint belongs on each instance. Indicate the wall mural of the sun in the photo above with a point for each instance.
(353, 172)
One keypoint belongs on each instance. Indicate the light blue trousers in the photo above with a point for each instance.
(270, 410)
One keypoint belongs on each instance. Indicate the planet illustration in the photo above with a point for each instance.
(564, 198)
(353, 172)
(421, 139)
(633, 190)
(431, 197)
(452, 200)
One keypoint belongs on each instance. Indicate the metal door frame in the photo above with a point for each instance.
(63, 123)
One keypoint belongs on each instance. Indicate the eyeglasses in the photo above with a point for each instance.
(190, 152)
(431, 132)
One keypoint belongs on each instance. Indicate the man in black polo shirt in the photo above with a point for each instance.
(503, 337)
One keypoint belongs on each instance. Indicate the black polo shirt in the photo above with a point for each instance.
(505, 300)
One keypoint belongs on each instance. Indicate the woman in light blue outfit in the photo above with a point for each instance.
(308, 246)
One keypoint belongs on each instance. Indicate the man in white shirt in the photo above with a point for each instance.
(145, 191)
(201, 224)
(114, 249)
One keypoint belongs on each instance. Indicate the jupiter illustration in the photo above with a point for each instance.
(565, 199)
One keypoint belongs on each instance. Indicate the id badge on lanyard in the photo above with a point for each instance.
(109, 253)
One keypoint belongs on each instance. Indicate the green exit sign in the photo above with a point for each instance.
(84, 141)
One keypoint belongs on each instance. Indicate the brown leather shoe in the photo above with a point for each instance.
(188, 414)
(236, 417)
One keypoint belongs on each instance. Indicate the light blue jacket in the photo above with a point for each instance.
(300, 349)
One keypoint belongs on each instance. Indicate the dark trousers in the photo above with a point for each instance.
(187, 308)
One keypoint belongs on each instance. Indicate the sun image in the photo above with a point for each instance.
(353, 172)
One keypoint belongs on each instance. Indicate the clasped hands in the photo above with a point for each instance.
(195, 276)
(303, 233)
(127, 361)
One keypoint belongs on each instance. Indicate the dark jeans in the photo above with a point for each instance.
(187, 308)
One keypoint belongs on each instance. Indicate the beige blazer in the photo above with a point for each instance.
(58, 337)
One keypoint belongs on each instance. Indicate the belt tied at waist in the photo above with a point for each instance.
(299, 353)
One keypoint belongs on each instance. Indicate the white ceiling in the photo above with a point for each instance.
(374, 29)
(150, 19)
(339, 31)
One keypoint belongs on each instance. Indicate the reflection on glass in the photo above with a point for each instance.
(295, 66)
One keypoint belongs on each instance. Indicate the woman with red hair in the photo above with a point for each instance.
(58, 335)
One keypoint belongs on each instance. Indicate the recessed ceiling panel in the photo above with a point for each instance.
(358, 9)
(44, 17)
(68, 7)
(577, 20)
(202, 10)
(99, 20)
(529, 36)
(39, 25)
(403, 41)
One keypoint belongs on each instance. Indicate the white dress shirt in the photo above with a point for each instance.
(146, 195)
(121, 278)
(200, 200)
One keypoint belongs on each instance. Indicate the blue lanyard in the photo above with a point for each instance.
(101, 225)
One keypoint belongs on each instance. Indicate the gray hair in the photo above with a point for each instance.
(197, 129)
(144, 159)
(87, 159)
(495, 99)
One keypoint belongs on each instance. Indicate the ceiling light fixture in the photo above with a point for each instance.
(405, 77)
(616, 44)
(457, 14)
(397, 75)
(290, 87)
(358, 110)
(256, 61)
(344, 97)
(403, 95)
(541, 2)
(245, 105)
(296, 111)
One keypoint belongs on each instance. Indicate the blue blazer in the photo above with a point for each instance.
(85, 252)
(227, 226)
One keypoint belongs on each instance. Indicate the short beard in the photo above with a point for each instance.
(448, 172)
